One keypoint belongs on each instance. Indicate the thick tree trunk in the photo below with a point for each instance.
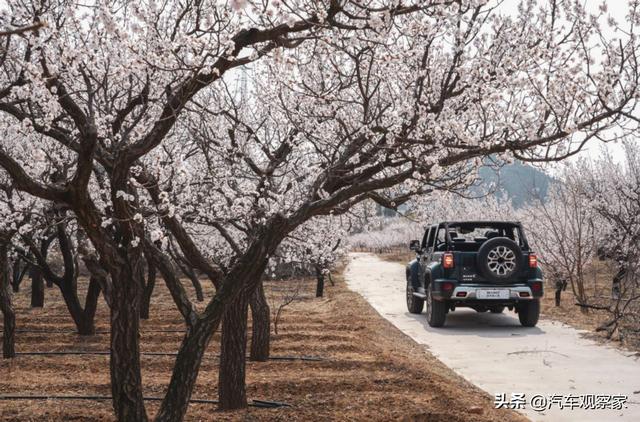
(15, 275)
(9, 316)
(126, 379)
(87, 325)
(83, 326)
(83, 318)
(18, 272)
(320, 283)
(148, 291)
(100, 276)
(37, 288)
(261, 325)
(241, 279)
(185, 371)
(231, 386)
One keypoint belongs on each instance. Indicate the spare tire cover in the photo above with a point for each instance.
(499, 259)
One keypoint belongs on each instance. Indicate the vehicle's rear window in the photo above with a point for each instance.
(470, 238)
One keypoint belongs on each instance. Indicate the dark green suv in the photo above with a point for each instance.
(484, 265)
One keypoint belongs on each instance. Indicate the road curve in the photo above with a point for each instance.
(498, 355)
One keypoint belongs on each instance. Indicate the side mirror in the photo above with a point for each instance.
(414, 245)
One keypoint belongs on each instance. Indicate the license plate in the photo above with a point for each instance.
(493, 294)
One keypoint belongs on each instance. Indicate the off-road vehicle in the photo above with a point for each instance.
(484, 265)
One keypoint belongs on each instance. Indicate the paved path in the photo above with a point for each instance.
(498, 355)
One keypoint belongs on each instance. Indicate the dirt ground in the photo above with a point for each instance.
(369, 371)
(598, 278)
(597, 287)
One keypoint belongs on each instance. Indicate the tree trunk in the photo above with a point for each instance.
(261, 325)
(15, 276)
(198, 288)
(243, 277)
(18, 272)
(185, 371)
(87, 327)
(187, 270)
(37, 288)
(320, 283)
(126, 379)
(9, 316)
(83, 318)
(231, 386)
(148, 290)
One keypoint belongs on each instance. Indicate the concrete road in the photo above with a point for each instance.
(498, 355)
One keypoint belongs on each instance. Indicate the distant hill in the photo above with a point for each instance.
(518, 181)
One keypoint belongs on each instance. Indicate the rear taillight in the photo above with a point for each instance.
(447, 287)
(533, 260)
(447, 260)
(536, 287)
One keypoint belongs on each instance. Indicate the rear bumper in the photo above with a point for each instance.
(515, 292)
(468, 292)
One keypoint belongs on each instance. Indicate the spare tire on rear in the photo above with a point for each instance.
(499, 259)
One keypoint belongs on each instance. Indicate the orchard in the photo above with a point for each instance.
(129, 148)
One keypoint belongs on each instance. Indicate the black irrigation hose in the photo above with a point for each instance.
(269, 404)
(97, 332)
(306, 358)
(100, 352)
(254, 403)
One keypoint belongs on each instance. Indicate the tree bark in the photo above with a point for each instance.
(198, 287)
(187, 270)
(9, 316)
(261, 325)
(231, 386)
(15, 287)
(320, 283)
(83, 324)
(185, 371)
(126, 379)
(37, 288)
(148, 290)
(16, 275)
(87, 327)
(242, 278)
(83, 317)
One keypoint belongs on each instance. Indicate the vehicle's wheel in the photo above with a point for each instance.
(497, 309)
(414, 304)
(436, 310)
(529, 312)
(500, 259)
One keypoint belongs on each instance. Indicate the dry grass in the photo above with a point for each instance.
(597, 288)
(400, 254)
(371, 371)
(598, 281)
